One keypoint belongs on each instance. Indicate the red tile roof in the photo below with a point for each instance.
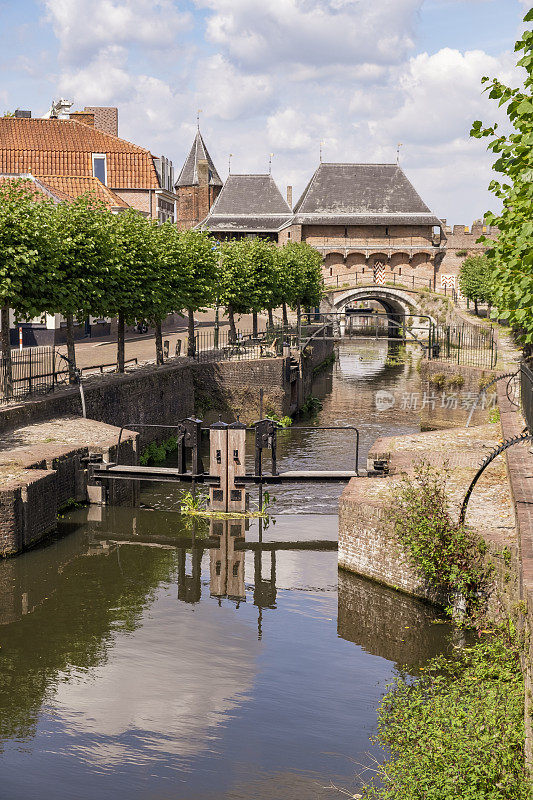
(63, 147)
(64, 188)
(68, 187)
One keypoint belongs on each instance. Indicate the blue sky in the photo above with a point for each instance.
(279, 76)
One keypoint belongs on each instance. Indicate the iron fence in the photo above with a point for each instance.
(464, 345)
(34, 370)
(220, 345)
(360, 278)
(526, 391)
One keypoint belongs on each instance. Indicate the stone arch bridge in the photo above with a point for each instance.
(395, 302)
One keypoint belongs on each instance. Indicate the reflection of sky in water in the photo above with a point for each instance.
(158, 698)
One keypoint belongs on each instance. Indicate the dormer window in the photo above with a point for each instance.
(100, 167)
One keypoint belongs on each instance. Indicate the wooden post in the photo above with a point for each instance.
(236, 466)
(218, 465)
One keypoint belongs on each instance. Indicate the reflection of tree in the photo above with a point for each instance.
(389, 624)
(72, 629)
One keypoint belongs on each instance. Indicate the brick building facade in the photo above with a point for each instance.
(367, 221)
(197, 187)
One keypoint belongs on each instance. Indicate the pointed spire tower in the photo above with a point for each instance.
(198, 185)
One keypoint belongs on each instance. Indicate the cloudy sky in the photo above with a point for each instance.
(278, 76)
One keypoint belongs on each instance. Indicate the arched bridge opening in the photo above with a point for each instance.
(401, 311)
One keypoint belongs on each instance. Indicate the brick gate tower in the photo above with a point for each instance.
(198, 185)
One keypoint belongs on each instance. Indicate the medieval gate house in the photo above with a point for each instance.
(367, 220)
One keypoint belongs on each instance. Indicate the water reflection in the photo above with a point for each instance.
(150, 655)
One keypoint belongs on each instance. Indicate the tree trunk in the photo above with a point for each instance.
(232, 328)
(285, 319)
(299, 323)
(158, 343)
(191, 343)
(270, 318)
(71, 349)
(120, 342)
(7, 367)
(254, 324)
(475, 307)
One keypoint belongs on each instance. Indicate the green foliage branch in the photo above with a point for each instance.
(448, 554)
(458, 731)
(511, 253)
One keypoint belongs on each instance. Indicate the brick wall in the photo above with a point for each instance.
(366, 545)
(193, 204)
(462, 238)
(233, 388)
(105, 118)
(139, 199)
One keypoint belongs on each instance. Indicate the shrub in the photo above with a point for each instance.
(458, 732)
(448, 554)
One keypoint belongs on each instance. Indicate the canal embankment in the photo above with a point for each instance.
(499, 511)
(45, 442)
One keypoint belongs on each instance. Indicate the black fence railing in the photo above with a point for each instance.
(221, 345)
(367, 278)
(526, 391)
(34, 370)
(465, 345)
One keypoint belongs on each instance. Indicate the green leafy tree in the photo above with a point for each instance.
(189, 270)
(511, 254)
(80, 282)
(300, 275)
(133, 283)
(247, 277)
(475, 279)
(27, 253)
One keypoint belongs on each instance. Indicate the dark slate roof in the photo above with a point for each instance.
(245, 224)
(248, 203)
(366, 219)
(253, 195)
(369, 189)
(189, 173)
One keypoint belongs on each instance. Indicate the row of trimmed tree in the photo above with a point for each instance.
(78, 259)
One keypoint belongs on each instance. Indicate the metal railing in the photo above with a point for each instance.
(34, 370)
(465, 344)
(526, 391)
(220, 345)
(392, 279)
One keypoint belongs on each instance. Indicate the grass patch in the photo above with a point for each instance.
(155, 453)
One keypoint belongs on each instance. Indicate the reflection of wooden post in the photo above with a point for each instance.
(218, 465)
(227, 564)
(218, 564)
(235, 583)
(236, 466)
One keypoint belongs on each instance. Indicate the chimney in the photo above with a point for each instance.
(289, 197)
(105, 118)
(202, 169)
(83, 116)
(19, 114)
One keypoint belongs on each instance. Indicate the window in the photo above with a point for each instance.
(289, 235)
(386, 231)
(100, 167)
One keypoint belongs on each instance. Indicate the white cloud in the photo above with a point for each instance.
(229, 93)
(282, 76)
(441, 95)
(85, 26)
(315, 32)
(288, 130)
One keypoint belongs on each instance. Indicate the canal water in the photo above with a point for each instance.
(148, 656)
